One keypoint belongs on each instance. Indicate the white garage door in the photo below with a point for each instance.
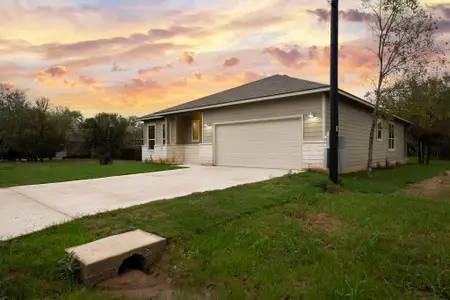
(261, 144)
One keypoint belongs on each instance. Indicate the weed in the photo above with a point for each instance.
(69, 267)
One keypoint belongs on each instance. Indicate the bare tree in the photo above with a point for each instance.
(404, 36)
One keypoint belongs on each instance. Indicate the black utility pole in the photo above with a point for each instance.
(334, 118)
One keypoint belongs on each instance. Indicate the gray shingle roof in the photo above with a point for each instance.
(269, 86)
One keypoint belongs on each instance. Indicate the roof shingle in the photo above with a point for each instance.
(269, 86)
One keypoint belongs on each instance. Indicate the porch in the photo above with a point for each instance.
(177, 139)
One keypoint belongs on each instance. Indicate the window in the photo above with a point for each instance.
(380, 130)
(168, 132)
(151, 136)
(391, 136)
(195, 130)
(163, 133)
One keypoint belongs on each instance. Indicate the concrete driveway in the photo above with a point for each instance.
(25, 209)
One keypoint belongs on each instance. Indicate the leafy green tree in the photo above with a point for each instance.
(105, 135)
(426, 102)
(13, 110)
(404, 35)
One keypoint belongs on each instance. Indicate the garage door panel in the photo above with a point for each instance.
(263, 144)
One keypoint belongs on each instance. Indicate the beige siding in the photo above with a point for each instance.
(300, 105)
(327, 115)
(355, 124)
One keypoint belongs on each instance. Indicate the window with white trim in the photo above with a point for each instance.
(168, 132)
(391, 136)
(151, 136)
(163, 133)
(195, 130)
(379, 130)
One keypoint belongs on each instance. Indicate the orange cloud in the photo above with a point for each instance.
(198, 75)
(187, 57)
(231, 62)
(180, 81)
(53, 72)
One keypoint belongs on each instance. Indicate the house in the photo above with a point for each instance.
(276, 122)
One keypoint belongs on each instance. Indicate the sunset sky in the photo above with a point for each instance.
(138, 56)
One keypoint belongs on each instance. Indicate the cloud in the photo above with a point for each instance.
(9, 68)
(250, 76)
(87, 80)
(139, 82)
(180, 81)
(290, 58)
(231, 62)
(55, 71)
(354, 15)
(198, 75)
(116, 68)
(443, 8)
(187, 57)
(7, 84)
(151, 70)
(443, 26)
(351, 15)
(322, 14)
(49, 76)
(170, 32)
(236, 79)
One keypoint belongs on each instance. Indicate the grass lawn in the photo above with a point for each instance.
(24, 173)
(282, 239)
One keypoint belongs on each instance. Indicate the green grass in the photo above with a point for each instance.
(260, 241)
(25, 173)
(386, 181)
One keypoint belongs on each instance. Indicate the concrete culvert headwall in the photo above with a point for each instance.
(134, 262)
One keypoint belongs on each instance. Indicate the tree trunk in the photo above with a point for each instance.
(370, 153)
(420, 152)
(428, 155)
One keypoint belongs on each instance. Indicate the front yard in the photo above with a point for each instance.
(286, 238)
(24, 173)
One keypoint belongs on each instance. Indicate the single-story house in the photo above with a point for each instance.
(275, 122)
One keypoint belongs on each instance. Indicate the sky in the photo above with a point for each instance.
(135, 57)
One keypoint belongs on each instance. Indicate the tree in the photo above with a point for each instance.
(404, 37)
(425, 101)
(105, 135)
(32, 130)
(13, 110)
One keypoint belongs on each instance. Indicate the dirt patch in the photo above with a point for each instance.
(135, 284)
(321, 221)
(429, 187)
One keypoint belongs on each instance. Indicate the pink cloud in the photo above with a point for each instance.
(231, 62)
(55, 71)
(116, 68)
(151, 70)
(250, 76)
(291, 58)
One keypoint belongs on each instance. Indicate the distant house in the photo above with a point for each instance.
(276, 122)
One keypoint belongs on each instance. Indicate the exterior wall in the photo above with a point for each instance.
(355, 123)
(314, 155)
(300, 105)
(187, 154)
